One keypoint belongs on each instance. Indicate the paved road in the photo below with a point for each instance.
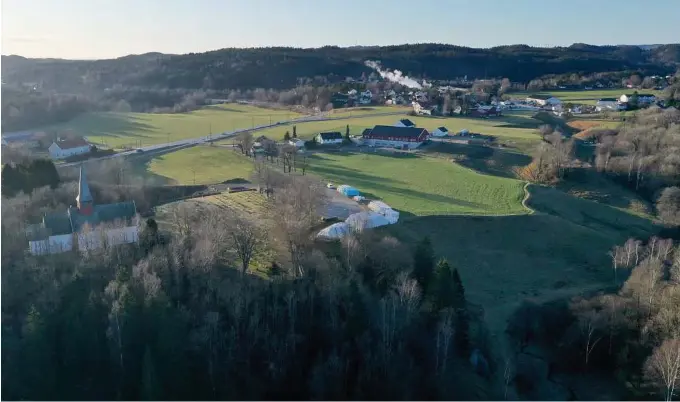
(227, 134)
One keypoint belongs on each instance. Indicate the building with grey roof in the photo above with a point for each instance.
(86, 226)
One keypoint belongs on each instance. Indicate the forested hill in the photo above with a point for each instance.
(283, 67)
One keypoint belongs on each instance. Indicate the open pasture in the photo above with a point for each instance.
(118, 130)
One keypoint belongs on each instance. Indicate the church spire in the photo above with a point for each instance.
(84, 198)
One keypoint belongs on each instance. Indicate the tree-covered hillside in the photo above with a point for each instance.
(283, 67)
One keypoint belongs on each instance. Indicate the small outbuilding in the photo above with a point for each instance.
(440, 132)
(348, 191)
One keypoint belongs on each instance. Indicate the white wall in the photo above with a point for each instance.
(97, 238)
(52, 245)
(58, 153)
(326, 142)
(392, 144)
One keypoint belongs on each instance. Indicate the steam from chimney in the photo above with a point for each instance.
(395, 76)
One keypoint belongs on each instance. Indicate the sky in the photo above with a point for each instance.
(95, 29)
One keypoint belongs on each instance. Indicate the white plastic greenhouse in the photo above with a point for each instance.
(334, 231)
(365, 220)
(385, 210)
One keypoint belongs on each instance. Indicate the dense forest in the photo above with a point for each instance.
(183, 315)
(283, 67)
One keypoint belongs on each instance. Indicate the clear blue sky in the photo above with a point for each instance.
(112, 28)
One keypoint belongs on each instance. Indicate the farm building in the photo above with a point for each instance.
(607, 104)
(402, 137)
(329, 138)
(347, 191)
(297, 143)
(642, 98)
(65, 149)
(440, 132)
(543, 100)
(405, 123)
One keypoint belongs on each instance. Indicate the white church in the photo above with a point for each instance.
(86, 226)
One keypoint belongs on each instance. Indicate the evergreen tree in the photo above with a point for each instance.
(150, 385)
(286, 137)
(462, 335)
(423, 263)
(10, 182)
(347, 133)
(294, 131)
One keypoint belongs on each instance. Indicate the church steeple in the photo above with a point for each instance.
(84, 198)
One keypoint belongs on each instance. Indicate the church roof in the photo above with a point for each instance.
(105, 213)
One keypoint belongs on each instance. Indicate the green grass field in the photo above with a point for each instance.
(559, 251)
(208, 165)
(140, 129)
(589, 97)
(512, 126)
(421, 185)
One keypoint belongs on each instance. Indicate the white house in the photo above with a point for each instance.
(329, 138)
(543, 100)
(84, 227)
(405, 123)
(64, 149)
(642, 98)
(297, 143)
(607, 104)
(365, 97)
(440, 132)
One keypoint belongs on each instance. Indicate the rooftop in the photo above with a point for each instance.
(541, 97)
(407, 122)
(331, 136)
(391, 131)
(74, 143)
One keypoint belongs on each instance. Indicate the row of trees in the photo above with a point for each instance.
(632, 336)
(179, 316)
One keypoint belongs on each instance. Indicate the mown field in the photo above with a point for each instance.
(117, 130)
(422, 186)
(514, 126)
(206, 164)
(589, 97)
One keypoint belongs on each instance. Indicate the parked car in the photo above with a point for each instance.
(331, 186)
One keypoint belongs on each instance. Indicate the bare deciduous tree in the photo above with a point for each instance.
(244, 236)
(245, 142)
(663, 368)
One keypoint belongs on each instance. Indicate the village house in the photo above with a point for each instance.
(395, 137)
(68, 148)
(643, 99)
(329, 138)
(607, 104)
(543, 100)
(85, 227)
(365, 97)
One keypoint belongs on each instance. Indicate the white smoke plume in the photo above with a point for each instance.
(394, 76)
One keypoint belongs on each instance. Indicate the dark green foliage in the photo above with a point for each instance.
(447, 292)
(423, 263)
(347, 133)
(286, 136)
(29, 176)
(294, 131)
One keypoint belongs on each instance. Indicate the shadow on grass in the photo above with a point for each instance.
(507, 258)
(590, 185)
(486, 160)
(362, 180)
(114, 125)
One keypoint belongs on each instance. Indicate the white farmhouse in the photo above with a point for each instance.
(643, 99)
(329, 138)
(543, 100)
(84, 227)
(607, 104)
(65, 149)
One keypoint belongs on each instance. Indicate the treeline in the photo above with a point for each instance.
(25, 177)
(631, 337)
(180, 317)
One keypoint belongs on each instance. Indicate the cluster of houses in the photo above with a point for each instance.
(623, 102)
(58, 149)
